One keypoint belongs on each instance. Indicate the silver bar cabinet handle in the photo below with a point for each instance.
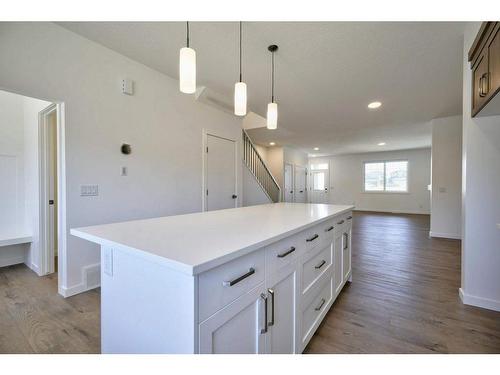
(271, 292)
(349, 217)
(282, 255)
(321, 264)
(312, 238)
(250, 272)
(320, 305)
(329, 229)
(264, 297)
(340, 222)
(346, 240)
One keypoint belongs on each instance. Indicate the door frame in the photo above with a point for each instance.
(305, 180)
(204, 161)
(46, 253)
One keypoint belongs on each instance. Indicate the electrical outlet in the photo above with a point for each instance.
(89, 190)
(124, 171)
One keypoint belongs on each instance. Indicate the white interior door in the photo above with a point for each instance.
(289, 193)
(319, 186)
(220, 173)
(300, 184)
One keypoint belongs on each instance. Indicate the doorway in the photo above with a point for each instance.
(220, 185)
(300, 174)
(289, 182)
(320, 179)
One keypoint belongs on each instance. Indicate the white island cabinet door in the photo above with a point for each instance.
(337, 261)
(237, 328)
(346, 249)
(282, 333)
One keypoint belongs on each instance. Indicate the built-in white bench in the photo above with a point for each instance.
(10, 252)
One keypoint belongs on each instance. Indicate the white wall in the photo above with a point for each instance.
(295, 157)
(446, 196)
(346, 182)
(480, 198)
(253, 193)
(163, 126)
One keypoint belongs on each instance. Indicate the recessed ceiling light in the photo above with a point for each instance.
(271, 143)
(381, 144)
(374, 105)
(316, 149)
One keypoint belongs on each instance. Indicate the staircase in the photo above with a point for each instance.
(259, 169)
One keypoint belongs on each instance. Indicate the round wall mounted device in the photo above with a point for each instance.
(126, 149)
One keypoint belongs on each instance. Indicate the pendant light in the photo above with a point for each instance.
(187, 67)
(272, 108)
(240, 92)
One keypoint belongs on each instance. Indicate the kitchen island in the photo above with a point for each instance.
(256, 279)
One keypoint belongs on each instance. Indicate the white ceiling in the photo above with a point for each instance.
(326, 74)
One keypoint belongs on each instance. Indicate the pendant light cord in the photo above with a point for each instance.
(272, 80)
(187, 34)
(240, 50)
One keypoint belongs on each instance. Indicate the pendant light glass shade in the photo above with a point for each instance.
(272, 116)
(240, 99)
(187, 70)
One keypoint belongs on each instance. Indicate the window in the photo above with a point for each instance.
(388, 176)
(319, 166)
(318, 180)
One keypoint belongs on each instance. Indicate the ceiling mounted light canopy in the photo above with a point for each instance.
(272, 108)
(240, 92)
(187, 67)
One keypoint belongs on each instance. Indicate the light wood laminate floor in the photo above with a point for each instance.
(403, 299)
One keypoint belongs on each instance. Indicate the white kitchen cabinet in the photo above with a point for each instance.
(237, 328)
(346, 248)
(282, 291)
(252, 280)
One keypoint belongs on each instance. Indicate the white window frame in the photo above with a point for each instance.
(407, 191)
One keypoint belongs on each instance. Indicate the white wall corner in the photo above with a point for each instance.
(485, 303)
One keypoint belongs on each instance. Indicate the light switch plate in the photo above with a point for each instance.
(128, 86)
(108, 261)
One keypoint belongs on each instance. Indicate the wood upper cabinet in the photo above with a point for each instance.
(484, 57)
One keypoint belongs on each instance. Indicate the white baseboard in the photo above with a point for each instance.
(452, 236)
(10, 261)
(485, 303)
(91, 276)
(394, 211)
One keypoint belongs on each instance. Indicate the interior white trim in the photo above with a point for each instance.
(46, 251)
(4, 262)
(482, 302)
(453, 236)
(393, 211)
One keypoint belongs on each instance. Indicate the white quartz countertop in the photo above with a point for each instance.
(194, 243)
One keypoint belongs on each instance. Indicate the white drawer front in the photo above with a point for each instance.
(283, 253)
(318, 263)
(312, 313)
(222, 285)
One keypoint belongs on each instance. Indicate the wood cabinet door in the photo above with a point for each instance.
(337, 254)
(480, 81)
(237, 327)
(346, 250)
(282, 306)
(494, 62)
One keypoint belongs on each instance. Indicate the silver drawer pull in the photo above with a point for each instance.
(346, 241)
(329, 229)
(312, 238)
(349, 217)
(271, 292)
(282, 255)
(320, 305)
(250, 272)
(264, 330)
(321, 264)
(340, 222)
